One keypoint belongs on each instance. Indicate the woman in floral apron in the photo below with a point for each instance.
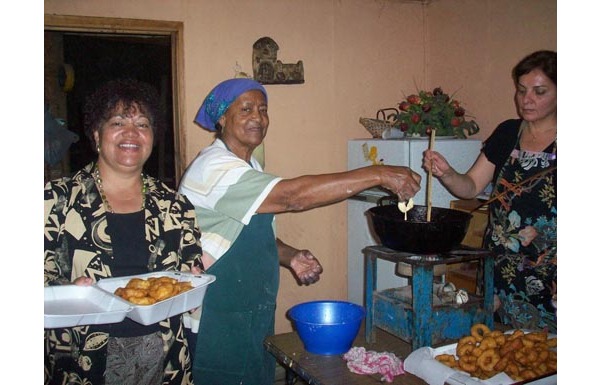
(520, 158)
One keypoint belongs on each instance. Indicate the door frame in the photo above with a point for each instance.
(173, 29)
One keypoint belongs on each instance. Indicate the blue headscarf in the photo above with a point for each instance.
(221, 97)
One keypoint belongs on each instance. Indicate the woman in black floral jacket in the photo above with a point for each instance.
(110, 220)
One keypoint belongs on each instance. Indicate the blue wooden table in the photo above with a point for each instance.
(419, 322)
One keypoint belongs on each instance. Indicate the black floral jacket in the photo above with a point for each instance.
(76, 244)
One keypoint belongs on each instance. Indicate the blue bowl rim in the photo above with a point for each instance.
(360, 317)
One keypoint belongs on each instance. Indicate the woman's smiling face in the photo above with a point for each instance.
(125, 139)
(245, 123)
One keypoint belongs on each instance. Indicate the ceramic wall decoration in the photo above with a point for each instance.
(268, 70)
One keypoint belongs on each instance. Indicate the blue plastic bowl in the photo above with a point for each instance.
(327, 327)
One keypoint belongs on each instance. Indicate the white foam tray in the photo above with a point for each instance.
(149, 314)
(71, 305)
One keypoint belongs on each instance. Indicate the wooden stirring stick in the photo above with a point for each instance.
(429, 183)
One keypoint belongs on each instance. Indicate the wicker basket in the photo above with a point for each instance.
(385, 119)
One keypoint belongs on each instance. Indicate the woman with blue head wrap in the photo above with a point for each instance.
(221, 97)
(235, 203)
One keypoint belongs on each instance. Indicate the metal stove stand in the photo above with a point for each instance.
(419, 322)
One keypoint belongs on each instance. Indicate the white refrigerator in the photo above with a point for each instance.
(461, 153)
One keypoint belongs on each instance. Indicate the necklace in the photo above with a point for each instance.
(107, 205)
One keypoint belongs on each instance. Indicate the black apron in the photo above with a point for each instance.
(238, 311)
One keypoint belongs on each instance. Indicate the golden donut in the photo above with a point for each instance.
(464, 349)
(468, 364)
(502, 363)
(488, 359)
(512, 370)
(479, 331)
(477, 351)
(526, 356)
(487, 343)
(510, 346)
(467, 340)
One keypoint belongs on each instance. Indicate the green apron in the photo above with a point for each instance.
(238, 311)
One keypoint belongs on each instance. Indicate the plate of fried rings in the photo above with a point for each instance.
(521, 354)
(500, 358)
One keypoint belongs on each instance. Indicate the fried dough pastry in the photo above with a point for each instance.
(152, 290)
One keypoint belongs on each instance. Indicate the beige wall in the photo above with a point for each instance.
(474, 50)
(359, 56)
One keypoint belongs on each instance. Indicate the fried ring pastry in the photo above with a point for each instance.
(488, 359)
(487, 343)
(468, 363)
(467, 340)
(477, 351)
(512, 369)
(479, 331)
(502, 363)
(464, 349)
(510, 346)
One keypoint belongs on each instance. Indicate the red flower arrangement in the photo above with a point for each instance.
(421, 113)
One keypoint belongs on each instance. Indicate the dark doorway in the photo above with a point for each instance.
(95, 58)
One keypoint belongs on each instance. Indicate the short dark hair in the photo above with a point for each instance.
(126, 93)
(543, 60)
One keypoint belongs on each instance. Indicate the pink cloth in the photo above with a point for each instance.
(361, 361)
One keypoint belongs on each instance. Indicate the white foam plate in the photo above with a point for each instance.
(71, 305)
(149, 314)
